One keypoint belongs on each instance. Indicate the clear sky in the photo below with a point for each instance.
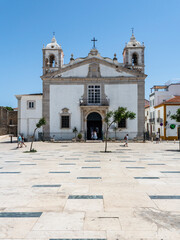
(25, 25)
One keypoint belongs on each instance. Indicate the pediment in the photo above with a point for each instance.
(96, 68)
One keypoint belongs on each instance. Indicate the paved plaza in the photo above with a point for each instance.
(75, 191)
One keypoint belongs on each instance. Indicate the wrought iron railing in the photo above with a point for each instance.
(152, 120)
(100, 102)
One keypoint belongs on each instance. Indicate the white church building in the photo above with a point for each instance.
(80, 93)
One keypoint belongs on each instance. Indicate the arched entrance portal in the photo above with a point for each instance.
(94, 123)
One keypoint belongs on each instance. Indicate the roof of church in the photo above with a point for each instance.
(53, 44)
(133, 42)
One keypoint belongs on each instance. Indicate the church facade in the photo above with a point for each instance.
(79, 94)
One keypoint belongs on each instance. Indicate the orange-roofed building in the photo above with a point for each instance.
(169, 128)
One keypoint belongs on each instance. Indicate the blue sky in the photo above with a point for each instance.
(26, 25)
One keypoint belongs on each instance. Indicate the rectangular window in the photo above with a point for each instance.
(10, 122)
(94, 94)
(158, 113)
(122, 123)
(31, 104)
(65, 122)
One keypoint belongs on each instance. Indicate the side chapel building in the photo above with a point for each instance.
(79, 94)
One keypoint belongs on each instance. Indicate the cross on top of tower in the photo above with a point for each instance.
(94, 40)
(132, 30)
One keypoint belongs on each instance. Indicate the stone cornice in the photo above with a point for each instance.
(115, 80)
(94, 60)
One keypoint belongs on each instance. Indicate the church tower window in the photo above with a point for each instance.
(134, 59)
(52, 60)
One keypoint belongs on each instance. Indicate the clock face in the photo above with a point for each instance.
(172, 126)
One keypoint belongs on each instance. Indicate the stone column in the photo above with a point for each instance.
(46, 110)
(140, 114)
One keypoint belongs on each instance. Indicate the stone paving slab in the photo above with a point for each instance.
(128, 194)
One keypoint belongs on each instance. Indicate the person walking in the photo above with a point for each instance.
(19, 139)
(23, 144)
(126, 140)
(157, 137)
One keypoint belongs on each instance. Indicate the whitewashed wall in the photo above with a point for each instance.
(65, 96)
(171, 132)
(147, 116)
(157, 124)
(124, 95)
(28, 118)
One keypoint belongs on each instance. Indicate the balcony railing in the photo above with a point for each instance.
(101, 102)
(159, 120)
(152, 120)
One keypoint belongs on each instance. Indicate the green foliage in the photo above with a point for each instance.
(115, 117)
(41, 122)
(79, 136)
(9, 108)
(176, 116)
(118, 115)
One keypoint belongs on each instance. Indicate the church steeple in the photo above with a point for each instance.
(53, 56)
(133, 54)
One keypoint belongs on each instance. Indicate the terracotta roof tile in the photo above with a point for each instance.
(146, 106)
(175, 99)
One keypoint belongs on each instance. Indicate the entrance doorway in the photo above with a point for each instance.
(94, 124)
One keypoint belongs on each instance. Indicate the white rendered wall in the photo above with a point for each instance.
(157, 124)
(111, 72)
(29, 117)
(81, 71)
(174, 89)
(65, 96)
(171, 132)
(124, 95)
(147, 116)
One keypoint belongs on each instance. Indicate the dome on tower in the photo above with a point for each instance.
(53, 44)
(133, 42)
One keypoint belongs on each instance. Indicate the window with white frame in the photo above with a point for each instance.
(94, 94)
(31, 104)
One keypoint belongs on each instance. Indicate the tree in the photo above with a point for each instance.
(41, 122)
(115, 117)
(177, 118)
(9, 108)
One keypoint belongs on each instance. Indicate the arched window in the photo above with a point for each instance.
(52, 61)
(134, 59)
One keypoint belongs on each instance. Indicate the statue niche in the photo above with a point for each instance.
(94, 70)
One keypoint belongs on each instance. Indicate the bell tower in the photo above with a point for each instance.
(133, 54)
(53, 56)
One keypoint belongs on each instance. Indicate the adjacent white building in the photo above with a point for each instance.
(164, 102)
(80, 93)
